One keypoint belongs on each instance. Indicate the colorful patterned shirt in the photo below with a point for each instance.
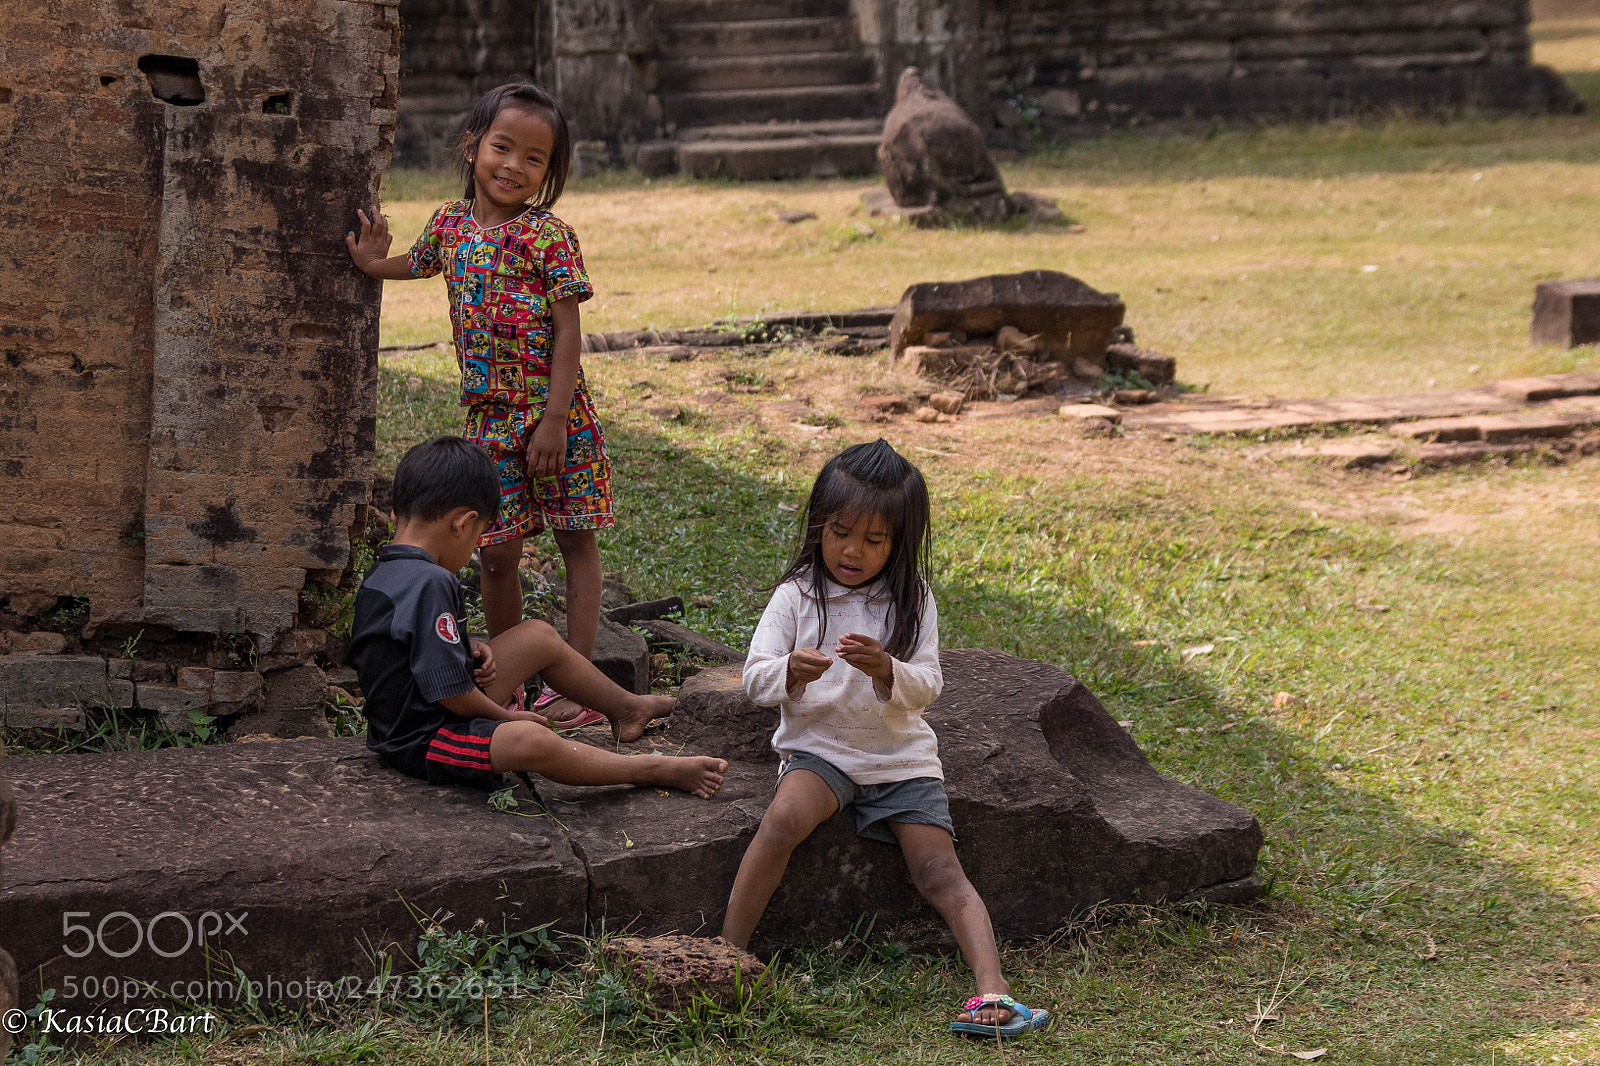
(502, 282)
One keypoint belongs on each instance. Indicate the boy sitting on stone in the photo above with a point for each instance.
(435, 701)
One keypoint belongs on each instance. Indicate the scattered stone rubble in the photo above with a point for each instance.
(673, 971)
(1072, 815)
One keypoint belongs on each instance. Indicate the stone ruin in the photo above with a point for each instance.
(331, 857)
(1008, 334)
(936, 164)
(189, 378)
(778, 88)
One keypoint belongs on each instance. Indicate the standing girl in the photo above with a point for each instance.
(852, 732)
(515, 278)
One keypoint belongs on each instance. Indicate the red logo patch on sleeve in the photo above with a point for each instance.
(445, 626)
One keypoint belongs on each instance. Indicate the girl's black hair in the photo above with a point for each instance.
(862, 481)
(529, 98)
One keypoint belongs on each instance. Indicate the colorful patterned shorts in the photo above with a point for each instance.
(577, 498)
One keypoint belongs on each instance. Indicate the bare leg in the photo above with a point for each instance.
(804, 801)
(580, 551)
(530, 746)
(535, 647)
(502, 588)
(931, 856)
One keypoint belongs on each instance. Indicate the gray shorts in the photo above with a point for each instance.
(919, 800)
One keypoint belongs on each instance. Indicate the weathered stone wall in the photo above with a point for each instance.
(1108, 61)
(454, 51)
(598, 56)
(605, 68)
(1040, 63)
(187, 395)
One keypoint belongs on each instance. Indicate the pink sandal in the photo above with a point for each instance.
(584, 717)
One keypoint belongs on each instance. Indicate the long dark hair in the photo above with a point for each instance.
(529, 98)
(862, 481)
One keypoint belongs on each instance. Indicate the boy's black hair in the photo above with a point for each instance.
(529, 98)
(439, 475)
(872, 479)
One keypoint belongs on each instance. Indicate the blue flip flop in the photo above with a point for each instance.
(1023, 1020)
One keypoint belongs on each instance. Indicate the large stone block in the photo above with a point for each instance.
(1070, 318)
(323, 855)
(293, 705)
(1567, 313)
(44, 691)
(1055, 807)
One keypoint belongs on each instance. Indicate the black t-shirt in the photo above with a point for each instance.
(407, 648)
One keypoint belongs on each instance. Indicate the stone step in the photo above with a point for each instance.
(768, 105)
(758, 37)
(703, 73)
(671, 12)
(786, 157)
(766, 131)
(310, 856)
(1538, 423)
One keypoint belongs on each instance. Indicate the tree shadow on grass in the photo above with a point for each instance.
(1415, 943)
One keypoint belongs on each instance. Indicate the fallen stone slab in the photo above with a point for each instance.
(687, 642)
(319, 851)
(1154, 367)
(634, 612)
(1442, 430)
(1055, 807)
(1469, 452)
(1084, 411)
(1566, 313)
(1069, 318)
(1529, 390)
(1352, 455)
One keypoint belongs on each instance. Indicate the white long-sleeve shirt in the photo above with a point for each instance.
(874, 736)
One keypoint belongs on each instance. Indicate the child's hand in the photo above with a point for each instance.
(547, 447)
(805, 666)
(372, 246)
(484, 654)
(866, 655)
(526, 716)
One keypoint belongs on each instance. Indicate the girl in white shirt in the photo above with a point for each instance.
(851, 733)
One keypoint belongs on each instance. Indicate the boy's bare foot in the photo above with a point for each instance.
(628, 722)
(698, 775)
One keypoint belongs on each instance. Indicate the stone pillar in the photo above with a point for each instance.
(605, 69)
(945, 39)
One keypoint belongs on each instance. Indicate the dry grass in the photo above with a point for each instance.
(1245, 253)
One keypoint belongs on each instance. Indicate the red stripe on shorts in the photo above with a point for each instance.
(434, 756)
(463, 738)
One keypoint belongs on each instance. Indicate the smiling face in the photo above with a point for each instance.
(510, 162)
(855, 548)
